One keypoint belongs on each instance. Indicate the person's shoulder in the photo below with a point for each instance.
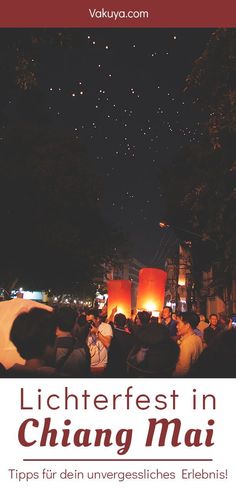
(197, 341)
(105, 324)
(77, 352)
(65, 342)
(121, 332)
(21, 371)
(105, 327)
(195, 336)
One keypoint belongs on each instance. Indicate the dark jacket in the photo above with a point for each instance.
(154, 355)
(72, 358)
(121, 344)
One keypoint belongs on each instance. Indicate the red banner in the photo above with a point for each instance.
(118, 13)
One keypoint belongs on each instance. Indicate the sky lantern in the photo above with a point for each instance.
(181, 278)
(119, 295)
(151, 289)
(183, 264)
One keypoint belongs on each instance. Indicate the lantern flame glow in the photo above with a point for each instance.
(151, 289)
(119, 295)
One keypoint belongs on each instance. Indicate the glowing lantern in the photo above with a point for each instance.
(119, 295)
(182, 279)
(151, 289)
(182, 266)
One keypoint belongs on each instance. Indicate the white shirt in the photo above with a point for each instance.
(98, 352)
(190, 350)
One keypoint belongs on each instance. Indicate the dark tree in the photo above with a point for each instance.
(201, 185)
(52, 231)
(212, 84)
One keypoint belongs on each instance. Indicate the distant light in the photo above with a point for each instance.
(163, 225)
(33, 295)
(150, 306)
(182, 280)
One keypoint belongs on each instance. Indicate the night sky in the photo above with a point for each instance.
(120, 93)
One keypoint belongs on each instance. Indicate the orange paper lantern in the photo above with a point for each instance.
(151, 289)
(119, 295)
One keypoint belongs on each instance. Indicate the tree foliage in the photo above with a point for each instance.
(212, 84)
(201, 186)
(53, 234)
(52, 231)
(22, 53)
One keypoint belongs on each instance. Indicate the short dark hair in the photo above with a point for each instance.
(190, 317)
(81, 320)
(94, 312)
(144, 317)
(213, 314)
(168, 307)
(65, 318)
(120, 320)
(32, 332)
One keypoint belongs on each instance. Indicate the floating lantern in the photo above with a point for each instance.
(119, 295)
(182, 266)
(182, 278)
(151, 289)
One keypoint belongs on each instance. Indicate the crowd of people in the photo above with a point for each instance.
(62, 342)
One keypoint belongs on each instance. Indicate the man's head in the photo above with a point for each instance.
(142, 318)
(213, 320)
(34, 334)
(65, 319)
(167, 312)
(93, 316)
(119, 320)
(186, 322)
